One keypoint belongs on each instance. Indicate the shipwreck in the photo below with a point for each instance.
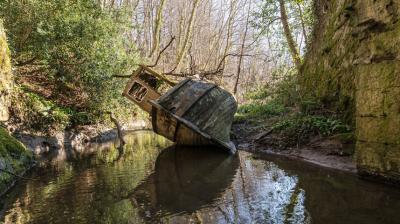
(190, 112)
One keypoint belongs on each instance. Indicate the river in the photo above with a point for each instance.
(151, 181)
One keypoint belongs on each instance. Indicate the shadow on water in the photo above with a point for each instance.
(185, 180)
(150, 181)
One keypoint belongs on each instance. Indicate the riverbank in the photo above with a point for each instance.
(19, 151)
(329, 152)
(334, 152)
(77, 138)
(15, 160)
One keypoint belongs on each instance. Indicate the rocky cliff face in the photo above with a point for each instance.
(5, 75)
(354, 62)
(15, 159)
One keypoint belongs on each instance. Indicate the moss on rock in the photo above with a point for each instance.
(5, 75)
(14, 158)
(352, 66)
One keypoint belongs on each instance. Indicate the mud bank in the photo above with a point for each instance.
(246, 137)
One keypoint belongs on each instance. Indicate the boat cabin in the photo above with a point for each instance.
(145, 85)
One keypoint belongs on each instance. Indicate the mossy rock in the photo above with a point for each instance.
(14, 157)
(6, 81)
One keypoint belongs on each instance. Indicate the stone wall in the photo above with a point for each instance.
(354, 66)
(5, 75)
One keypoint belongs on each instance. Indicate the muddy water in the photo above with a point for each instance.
(151, 181)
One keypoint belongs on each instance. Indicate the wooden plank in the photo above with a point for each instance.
(150, 95)
(165, 124)
(154, 111)
(186, 136)
(187, 123)
(158, 75)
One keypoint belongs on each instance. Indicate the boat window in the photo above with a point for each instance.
(138, 92)
(149, 79)
(172, 110)
(155, 83)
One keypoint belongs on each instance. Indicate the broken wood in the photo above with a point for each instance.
(119, 129)
(262, 135)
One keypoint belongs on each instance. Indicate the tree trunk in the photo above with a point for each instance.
(288, 34)
(119, 129)
(228, 36)
(303, 24)
(188, 34)
(157, 28)
(239, 68)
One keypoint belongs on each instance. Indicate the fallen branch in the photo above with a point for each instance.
(122, 76)
(217, 71)
(200, 73)
(119, 129)
(263, 135)
(16, 175)
(30, 61)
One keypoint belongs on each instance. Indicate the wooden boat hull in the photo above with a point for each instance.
(176, 129)
(190, 113)
(195, 113)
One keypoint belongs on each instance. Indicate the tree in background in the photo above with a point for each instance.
(292, 18)
(67, 51)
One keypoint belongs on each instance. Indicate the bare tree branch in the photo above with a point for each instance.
(161, 52)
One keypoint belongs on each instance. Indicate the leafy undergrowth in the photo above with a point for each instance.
(303, 125)
(291, 124)
(253, 111)
(40, 114)
(34, 113)
(64, 69)
(300, 128)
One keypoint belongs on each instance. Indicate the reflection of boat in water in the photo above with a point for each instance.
(185, 179)
(190, 113)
